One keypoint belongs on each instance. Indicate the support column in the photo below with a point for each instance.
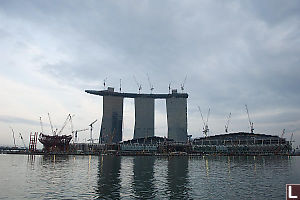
(144, 117)
(112, 120)
(177, 118)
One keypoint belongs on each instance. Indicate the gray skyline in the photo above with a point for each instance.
(232, 52)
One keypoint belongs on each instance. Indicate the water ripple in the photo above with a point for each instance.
(109, 177)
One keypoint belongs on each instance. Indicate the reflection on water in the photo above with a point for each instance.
(47, 159)
(113, 177)
(143, 176)
(178, 177)
(109, 177)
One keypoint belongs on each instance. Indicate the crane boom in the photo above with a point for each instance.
(248, 114)
(207, 115)
(64, 125)
(201, 115)
(93, 122)
(205, 124)
(182, 85)
(50, 124)
(81, 130)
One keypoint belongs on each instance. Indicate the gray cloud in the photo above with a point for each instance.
(18, 120)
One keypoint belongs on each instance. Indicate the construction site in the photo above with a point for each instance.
(144, 141)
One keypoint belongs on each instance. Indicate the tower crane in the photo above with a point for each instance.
(227, 123)
(41, 124)
(104, 83)
(91, 125)
(292, 137)
(71, 123)
(283, 132)
(151, 86)
(53, 133)
(206, 127)
(205, 124)
(170, 88)
(139, 85)
(77, 131)
(251, 123)
(22, 140)
(182, 85)
(13, 133)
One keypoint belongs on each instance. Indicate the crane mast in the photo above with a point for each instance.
(71, 123)
(41, 124)
(104, 83)
(13, 133)
(91, 125)
(227, 123)
(251, 123)
(138, 85)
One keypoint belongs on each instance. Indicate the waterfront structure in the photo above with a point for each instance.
(112, 120)
(242, 143)
(177, 119)
(111, 127)
(55, 143)
(144, 117)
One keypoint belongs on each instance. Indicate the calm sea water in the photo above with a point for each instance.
(109, 177)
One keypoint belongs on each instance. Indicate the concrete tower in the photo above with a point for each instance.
(112, 120)
(177, 118)
(111, 128)
(144, 117)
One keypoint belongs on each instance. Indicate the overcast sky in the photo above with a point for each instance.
(232, 52)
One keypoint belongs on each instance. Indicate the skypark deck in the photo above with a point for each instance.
(110, 92)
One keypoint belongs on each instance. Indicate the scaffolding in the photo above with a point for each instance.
(33, 142)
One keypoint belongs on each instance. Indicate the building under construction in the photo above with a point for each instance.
(144, 140)
(112, 119)
(242, 143)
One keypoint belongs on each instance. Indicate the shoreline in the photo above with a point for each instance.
(171, 154)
